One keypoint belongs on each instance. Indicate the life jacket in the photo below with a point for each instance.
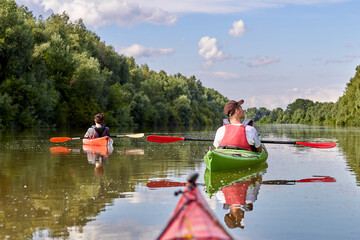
(236, 193)
(245, 122)
(100, 131)
(235, 136)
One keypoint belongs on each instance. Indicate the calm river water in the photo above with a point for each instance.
(60, 191)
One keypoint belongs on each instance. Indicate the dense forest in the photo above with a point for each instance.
(56, 73)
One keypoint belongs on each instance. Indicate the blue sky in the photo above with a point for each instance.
(267, 52)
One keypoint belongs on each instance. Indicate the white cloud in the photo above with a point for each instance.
(344, 59)
(238, 29)
(261, 61)
(226, 75)
(29, 1)
(115, 229)
(269, 91)
(316, 94)
(227, 6)
(210, 51)
(100, 12)
(216, 75)
(351, 56)
(138, 51)
(336, 61)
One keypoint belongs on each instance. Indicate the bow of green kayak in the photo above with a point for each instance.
(225, 159)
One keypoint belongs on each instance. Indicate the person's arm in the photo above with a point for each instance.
(107, 130)
(259, 149)
(252, 137)
(90, 133)
(257, 141)
(219, 136)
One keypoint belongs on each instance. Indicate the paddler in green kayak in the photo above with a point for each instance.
(237, 134)
(99, 129)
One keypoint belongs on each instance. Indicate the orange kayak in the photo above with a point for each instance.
(193, 218)
(101, 142)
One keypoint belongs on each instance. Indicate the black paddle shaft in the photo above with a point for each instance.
(262, 141)
(278, 142)
(198, 139)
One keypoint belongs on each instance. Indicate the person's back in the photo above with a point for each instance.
(99, 129)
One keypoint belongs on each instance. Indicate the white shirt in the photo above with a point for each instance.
(251, 136)
(252, 192)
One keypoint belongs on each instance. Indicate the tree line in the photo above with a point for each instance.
(54, 72)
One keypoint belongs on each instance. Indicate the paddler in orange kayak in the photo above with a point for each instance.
(99, 129)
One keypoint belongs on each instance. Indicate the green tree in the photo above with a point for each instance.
(347, 108)
(299, 103)
(139, 108)
(119, 103)
(182, 106)
(54, 72)
(16, 40)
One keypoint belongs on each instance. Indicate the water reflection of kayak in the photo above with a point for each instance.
(193, 218)
(60, 150)
(95, 146)
(225, 159)
(104, 151)
(215, 181)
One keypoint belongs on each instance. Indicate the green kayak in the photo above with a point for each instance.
(215, 181)
(225, 159)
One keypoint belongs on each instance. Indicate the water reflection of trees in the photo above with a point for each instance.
(297, 131)
(43, 192)
(347, 139)
(51, 195)
(349, 142)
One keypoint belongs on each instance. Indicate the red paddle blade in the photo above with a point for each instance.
(164, 183)
(163, 139)
(59, 139)
(317, 145)
(318, 179)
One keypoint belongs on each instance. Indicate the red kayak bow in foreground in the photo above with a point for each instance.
(166, 139)
(193, 218)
